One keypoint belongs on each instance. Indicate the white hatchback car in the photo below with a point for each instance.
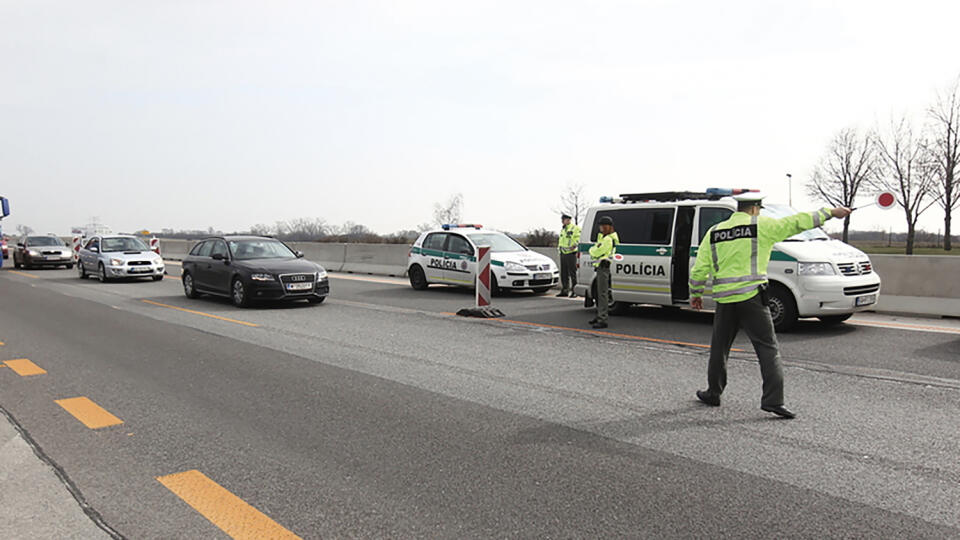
(449, 255)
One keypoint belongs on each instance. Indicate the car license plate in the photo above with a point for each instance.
(299, 286)
(867, 300)
(51, 257)
(541, 276)
(140, 270)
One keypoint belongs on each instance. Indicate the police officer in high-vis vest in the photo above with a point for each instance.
(567, 245)
(602, 252)
(733, 258)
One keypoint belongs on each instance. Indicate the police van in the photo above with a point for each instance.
(448, 255)
(810, 274)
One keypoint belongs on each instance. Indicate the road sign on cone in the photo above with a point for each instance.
(155, 245)
(483, 276)
(483, 308)
(77, 242)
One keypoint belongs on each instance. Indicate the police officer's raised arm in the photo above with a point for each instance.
(779, 230)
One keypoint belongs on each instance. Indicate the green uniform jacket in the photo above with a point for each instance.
(605, 247)
(735, 253)
(569, 239)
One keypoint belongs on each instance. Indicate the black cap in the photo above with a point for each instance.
(565, 216)
(605, 220)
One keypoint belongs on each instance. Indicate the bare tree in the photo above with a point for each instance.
(306, 229)
(908, 170)
(24, 230)
(573, 202)
(849, 163)
(945, 146)
(260, 229)
(450, 212)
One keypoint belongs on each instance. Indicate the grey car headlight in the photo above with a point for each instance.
(261, 277)
(34, 253)
(816, 269)
(321, 274)
(514, 267)
(116, 262)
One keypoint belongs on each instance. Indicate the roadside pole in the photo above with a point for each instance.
(482, 307)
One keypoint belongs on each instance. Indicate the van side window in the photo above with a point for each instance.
(640, 225)
(434, 241)
(710, 217)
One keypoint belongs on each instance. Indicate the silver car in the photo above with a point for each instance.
(118, 256)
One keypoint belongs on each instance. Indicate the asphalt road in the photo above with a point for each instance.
(379, 414)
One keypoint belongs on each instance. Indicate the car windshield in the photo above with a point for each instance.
(498, 242)
(122, 244)
(778, 211)
(260, 249)
(44, 241)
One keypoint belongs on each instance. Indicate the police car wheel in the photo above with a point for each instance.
(834, 319)
(418, 280)
(783, 308)
(495, 289)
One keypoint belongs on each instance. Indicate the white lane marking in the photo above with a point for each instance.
(388, 281)
(936, 329)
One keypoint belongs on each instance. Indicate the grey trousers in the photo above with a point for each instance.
(603, 293)
(754, 317)
(568, 271)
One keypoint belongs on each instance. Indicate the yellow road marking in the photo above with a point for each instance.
(202, 314)
(611, 334)
(2, 344)
(23, 274)
(224, 509)
(168, 276)
(906, 326)
(92, 415)
(24, 367)
(175, 263)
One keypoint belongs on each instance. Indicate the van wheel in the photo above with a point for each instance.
(783, 308)
(834, 319)
(418, 280)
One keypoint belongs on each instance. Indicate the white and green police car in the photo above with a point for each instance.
(810, 274)
(448, 255)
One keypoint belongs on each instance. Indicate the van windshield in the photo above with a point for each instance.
(777, 211)
(498, 242)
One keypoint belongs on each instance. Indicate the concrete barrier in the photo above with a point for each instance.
(922, 284)
(330, 256)
(382, 259)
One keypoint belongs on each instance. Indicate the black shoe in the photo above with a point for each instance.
(599, 325)
(593, 321)
(780, 410)
(709, 399)
(562, 293)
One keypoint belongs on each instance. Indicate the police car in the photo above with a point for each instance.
(448, 255)
(810, 274)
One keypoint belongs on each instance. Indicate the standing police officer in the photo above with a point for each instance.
(735, 254)
(567, 245)
(602, 252)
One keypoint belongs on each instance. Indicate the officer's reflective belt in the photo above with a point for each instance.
(739, 279)
(754, 244)
(741, 290)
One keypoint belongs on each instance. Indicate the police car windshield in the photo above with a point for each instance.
(778, 211)
(498, 242)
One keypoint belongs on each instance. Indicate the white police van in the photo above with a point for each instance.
(810, 274)
(448, 255)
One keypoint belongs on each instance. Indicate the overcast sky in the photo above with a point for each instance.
(189, 114)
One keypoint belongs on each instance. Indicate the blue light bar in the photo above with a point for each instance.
(606, 199)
